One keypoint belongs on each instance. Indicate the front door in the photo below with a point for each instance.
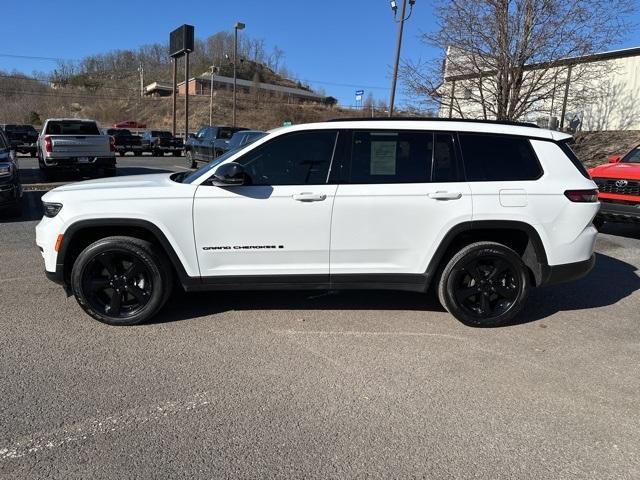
(279, 222)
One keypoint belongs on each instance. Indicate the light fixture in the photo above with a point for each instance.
(394, 6)
(239, 26)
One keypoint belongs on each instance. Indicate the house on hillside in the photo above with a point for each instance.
(592, 92)
(201, 85)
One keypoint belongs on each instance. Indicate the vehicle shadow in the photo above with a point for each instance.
(628, 230)
(31, 209)
(595, 290)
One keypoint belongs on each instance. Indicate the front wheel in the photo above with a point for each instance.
(190, 161)
(485, 284)
(121, 280)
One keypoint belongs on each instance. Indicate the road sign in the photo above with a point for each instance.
(359, 95)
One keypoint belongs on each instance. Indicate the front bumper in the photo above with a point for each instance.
(619, 212)
(568, 272)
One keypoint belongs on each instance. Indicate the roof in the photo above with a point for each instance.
(299, 92)
(456, 125)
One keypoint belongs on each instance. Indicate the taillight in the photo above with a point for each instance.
(48, 145)
(582, 196)
(112, 143)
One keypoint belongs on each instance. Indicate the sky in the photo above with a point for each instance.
(337, 45)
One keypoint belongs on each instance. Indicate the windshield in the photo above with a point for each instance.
(193, 176)
(633, 156)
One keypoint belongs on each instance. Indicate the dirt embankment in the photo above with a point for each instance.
(593, 148)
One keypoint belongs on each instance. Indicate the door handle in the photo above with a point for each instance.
(445, 195)
(309, 197)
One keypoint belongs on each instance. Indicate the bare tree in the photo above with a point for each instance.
(503, 59)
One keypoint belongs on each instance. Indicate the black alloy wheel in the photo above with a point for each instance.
(486, 287)
(121, 280)
(117, 284)
(484, 284)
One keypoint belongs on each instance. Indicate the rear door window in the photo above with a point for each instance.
(493, 158)
(391, 157)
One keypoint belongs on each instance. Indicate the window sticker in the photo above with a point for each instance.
(383, 158)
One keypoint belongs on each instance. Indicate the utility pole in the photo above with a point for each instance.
(213, 69)
(141, 70)
(236, 27)
(394, 7)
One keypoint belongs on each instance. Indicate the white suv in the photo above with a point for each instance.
(482, 210)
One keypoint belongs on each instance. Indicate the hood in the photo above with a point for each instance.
(129, 181)
(629, 171)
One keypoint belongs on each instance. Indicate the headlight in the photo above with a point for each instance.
(5, 169)
(51, 209)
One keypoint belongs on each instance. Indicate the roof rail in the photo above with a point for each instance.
(432, 119)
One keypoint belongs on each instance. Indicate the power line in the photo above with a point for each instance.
(30, 57)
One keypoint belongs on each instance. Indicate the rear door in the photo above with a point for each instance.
(400, 195)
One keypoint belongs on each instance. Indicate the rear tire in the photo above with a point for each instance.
(109, 171)
(485, 284)
(121, 280)
(598, 223)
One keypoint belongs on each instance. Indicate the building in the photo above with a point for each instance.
(592, 92)
(201, 85)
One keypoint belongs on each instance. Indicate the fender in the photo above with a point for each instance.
(534, 257)
(154, 230)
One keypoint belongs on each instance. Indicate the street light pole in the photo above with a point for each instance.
(236, 27)
(394, 7)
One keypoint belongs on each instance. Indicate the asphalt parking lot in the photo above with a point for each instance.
(315, 385)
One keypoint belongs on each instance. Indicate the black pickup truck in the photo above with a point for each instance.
(125, 141)
(208, 143)
(23, 138)
(159, 142)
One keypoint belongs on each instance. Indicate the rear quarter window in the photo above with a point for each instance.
(494, 158)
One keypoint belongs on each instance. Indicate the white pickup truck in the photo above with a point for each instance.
(76, 144)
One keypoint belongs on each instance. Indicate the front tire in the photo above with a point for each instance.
(190, 161)
(485, 284)
(121, 280)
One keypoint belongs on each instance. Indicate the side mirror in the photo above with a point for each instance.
(614, 158)
(229, 174)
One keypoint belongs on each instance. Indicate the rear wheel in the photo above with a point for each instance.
(598, 223)
(109, 171)
(485, 284)
(121, 280)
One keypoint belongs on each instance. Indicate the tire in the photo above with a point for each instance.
(598, 223)
(191, 163)
(121, 280)
(157, 153)
(109, 172)
(485, 284)
(177, 153)
(32, 154)
(122, 153)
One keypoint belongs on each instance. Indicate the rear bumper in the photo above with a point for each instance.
(619, 212)
(568, 272)
(73, 162)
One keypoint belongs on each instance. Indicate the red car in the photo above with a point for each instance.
(129, 124)
(619, 186)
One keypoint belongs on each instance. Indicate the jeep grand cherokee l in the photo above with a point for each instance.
(482, 210)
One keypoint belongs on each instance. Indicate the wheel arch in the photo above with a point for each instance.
(520, 236)
(84, 232)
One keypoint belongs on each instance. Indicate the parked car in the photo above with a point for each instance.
(483, 210)
(130, 124)
(619, 188)
(242, 138)
(125, 141)
(159, 142)
(71, 143)
(10, 186)
(23, 138)
(208, 143)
